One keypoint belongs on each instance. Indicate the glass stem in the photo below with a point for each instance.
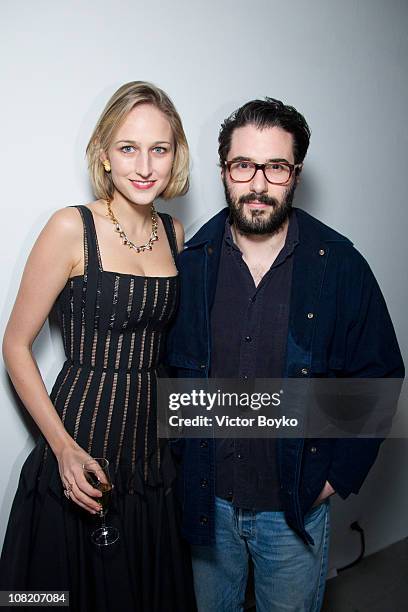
(103, 520)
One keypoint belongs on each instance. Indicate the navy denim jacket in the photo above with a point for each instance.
(349, 335)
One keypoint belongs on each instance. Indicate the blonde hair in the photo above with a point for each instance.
(114, 113)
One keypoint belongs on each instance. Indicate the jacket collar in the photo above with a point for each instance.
(212, 231)
(313, 232)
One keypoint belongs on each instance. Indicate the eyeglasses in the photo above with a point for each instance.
(276, 173)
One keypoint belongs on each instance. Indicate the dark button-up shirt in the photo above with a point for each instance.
(249, 328)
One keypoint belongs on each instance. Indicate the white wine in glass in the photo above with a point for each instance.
(97, 474)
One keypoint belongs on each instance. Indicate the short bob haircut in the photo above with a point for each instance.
(121, 103)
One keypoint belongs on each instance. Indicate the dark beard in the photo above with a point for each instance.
(258, 224)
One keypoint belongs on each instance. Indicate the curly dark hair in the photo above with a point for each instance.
(263, 114)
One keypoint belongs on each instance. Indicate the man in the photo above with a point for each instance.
(269, 291)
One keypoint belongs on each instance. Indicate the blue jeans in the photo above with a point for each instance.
(289, 575)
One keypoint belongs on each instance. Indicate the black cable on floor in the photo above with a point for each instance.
(356, 527)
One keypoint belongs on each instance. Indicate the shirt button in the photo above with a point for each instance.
(248, 339)
(204, 483)
(304, 371)
(203, 519)
(230, 495)
(210, 250)
(321, 252)
(204, 444)
(313, 450)
(310, 315)
(239, 455)
(203, 366)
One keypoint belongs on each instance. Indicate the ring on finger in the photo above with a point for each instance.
(67, 490)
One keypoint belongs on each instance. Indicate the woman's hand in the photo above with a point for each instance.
(71, 459)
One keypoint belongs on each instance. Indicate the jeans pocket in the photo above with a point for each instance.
(315, 513)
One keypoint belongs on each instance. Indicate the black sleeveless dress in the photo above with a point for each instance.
(113, 328)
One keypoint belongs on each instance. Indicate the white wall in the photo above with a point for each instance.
(343, 65)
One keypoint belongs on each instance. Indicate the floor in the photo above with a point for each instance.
(378, 583)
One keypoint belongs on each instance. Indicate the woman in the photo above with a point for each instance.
(110, 268)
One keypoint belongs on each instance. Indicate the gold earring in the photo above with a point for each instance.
(106, 165)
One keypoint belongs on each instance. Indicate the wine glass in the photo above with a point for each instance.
(97, 474)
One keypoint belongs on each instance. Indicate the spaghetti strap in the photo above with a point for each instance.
(170, 232)
(92, 256)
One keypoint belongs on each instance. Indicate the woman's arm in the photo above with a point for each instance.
(56, 252)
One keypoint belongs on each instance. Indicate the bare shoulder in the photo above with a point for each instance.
(61, 237)
(179, 229)
(66, 222)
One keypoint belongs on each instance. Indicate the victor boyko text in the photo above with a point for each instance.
(291, 407)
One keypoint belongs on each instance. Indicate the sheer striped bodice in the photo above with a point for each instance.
(113, 328)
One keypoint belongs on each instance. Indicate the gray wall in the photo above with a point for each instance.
(344, 65)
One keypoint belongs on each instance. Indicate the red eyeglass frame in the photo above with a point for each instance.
(292, 168)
